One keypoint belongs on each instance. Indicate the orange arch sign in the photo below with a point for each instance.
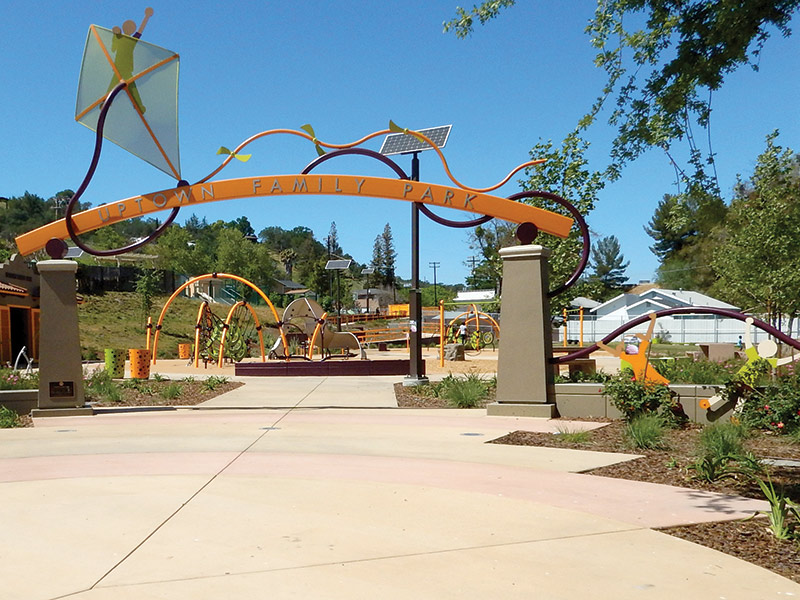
(283, 185)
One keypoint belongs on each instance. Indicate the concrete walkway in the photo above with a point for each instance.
(319, 488)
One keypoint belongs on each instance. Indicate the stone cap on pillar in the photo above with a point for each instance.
(57, 265)
(526, 251)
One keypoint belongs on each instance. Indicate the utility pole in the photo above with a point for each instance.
(472, 260)
(434, 265)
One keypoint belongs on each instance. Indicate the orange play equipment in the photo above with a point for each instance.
(204, 307)
(475, 336)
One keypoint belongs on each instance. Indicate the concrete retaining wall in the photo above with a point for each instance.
(589, 400)
(20, 401)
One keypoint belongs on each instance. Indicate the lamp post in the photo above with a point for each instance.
(434, 265)
(403, 143)
(368, 271)
(338, 266)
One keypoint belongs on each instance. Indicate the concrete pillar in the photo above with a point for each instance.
(524, 376)
(60, 371)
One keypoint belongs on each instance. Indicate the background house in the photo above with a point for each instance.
(19, 310)
(601, 320)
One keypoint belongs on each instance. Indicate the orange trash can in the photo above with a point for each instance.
(140, 363)
(184, 351)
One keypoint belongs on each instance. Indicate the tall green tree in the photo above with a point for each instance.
(608, 264)
(685, 229)
(389, 256)
(758, 264)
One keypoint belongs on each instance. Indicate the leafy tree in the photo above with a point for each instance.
(566, 174)
(608, 263)
(759, 262)
(683, 227)
(148, 284)
(661, 77)
(243, 225)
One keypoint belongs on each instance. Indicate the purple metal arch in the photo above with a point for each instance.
(685, 310)
(581, 225)
(359, 151)
(98, 145)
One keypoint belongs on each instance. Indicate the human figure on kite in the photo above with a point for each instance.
(123, 45)
(765, 350)
(640, 364)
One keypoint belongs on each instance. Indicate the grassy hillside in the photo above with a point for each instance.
(114, 320)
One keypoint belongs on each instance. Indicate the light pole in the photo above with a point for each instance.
(405, 143)
(367, 271)
(434, 265)
(338, 265)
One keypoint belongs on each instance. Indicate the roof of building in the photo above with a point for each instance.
(8, 288)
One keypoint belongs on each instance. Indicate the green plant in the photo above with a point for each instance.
(100, 386)
(159, 377)
(140, 385)
(633, 398)
(722, 439)
(573, 437)
(16, 380)
(776, 407)
(212, 382)
(467, 392)
(713, 468)
(188, 379)
(646, 431)
(172, 391)
(781, 511)
(8, 418)
(685, 370)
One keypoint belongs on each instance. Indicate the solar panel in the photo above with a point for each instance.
(405, 143)
(337, 265)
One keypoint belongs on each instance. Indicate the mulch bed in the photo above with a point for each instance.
(151, 393)
(748, 540)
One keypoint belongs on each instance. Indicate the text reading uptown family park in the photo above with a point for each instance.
(280, 185)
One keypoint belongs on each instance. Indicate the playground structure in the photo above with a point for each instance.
(478, 335)
(304, 326)
(229, 331)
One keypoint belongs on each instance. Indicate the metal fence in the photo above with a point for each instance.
(684, 329)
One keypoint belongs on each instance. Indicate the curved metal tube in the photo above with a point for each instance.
(684, 310)
(358, 151)
(227, 326)
(213, 276)
(98, 146)
(584, 228)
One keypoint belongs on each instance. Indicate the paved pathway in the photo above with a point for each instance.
(282, 498)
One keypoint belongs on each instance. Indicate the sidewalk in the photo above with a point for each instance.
(320, 488)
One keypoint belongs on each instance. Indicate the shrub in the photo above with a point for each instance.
(776, 407)
(17, 380)
(8, 418)
(463, 392)
(684, 370)
(722, 439)
(212, 382)
(172, 391)
(633, 398)
(100, 386)
(646, 431)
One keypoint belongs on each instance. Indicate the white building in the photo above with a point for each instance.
(601, 320)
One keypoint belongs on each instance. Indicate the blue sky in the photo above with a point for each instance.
(347, 68)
